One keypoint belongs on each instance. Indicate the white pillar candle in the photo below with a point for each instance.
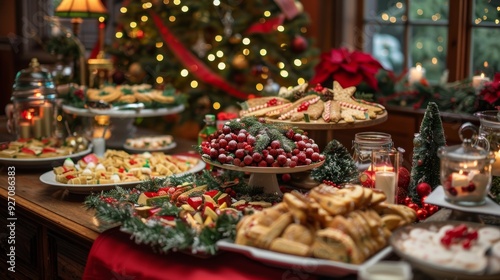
(386, 182)
(37, 127)
(478, 81)
(416, 74)
(47, 115)
(25, 130)
(495, 167)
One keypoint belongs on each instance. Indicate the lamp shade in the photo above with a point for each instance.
(81, 9)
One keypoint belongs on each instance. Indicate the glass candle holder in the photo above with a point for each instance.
(385, 165)
(466, 169)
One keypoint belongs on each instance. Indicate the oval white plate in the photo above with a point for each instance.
(124, 113)
(309, 265)
(43, 162)
(49, 178)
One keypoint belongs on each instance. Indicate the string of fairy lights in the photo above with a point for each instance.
(216, 57)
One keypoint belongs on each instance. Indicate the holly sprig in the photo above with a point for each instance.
(116, 206)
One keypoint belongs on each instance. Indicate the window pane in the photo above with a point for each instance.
(486, 12)
(386, 44)
(428, 48)
(385, 10)
(485, 54)
(434, 10)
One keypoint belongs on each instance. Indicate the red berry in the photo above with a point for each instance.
(226, 129)
(467, 243)
(452, 191)
(232, 145)
(281, 159)
(248, 159)
(446, 240)
(222, 158)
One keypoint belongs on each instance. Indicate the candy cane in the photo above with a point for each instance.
(296, 109)
(262, 106)
(352, 106)
(326, 111)
(278, 110)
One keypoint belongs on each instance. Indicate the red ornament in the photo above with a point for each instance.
(139, 34)
(413, 206)
(299, 44)
(286, 177)
(367, 179)
(419, 162)
(423, 189)
(421, 214)
(407, 201)
(403, 178)
(433, 209)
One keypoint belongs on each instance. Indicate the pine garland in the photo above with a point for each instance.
(339, 167)
(116, 206)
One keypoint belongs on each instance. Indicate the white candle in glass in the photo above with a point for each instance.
(25, 130)
(37, 127)
(47, 114)
(478, 81)
(386, 182)
(416, 74)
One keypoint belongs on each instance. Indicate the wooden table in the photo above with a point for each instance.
(53, 230)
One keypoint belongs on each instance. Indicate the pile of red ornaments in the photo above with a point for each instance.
(237, 147)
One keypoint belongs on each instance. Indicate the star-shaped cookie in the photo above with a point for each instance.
(342, 94)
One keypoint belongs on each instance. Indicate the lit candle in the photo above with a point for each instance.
(37, 127)
(47, 114)
(416, 74)
(386, 182)
(478, 81)
(495, 167)
(25, 129)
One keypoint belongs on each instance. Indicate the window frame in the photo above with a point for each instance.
(459, 43)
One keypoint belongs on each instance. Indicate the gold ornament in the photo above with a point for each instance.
(240, 62)
(235, 39)
(77, 142)
(135, 73)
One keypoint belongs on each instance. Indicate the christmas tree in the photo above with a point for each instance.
(425, 171)
(219, 52)
(339, 167)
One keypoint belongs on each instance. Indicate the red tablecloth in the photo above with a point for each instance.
(115, 256)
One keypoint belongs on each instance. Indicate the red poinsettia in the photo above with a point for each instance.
(347, 68)
(491, 91)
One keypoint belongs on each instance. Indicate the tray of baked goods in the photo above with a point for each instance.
(44, 152)
(316, 108)
(124, 101)
(118, 168)
(330, 231)
(158, 143)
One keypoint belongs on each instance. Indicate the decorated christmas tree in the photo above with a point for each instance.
(339, 167)
(425, 171)
(219, 52)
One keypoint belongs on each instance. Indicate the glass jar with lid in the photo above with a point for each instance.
(365, 143)
(32, 113)
(466, 169)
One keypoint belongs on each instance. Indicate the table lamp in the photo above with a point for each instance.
(77, 10)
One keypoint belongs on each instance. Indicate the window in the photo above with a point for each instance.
(454, 39)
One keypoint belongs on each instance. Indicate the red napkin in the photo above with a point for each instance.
(115, 256)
